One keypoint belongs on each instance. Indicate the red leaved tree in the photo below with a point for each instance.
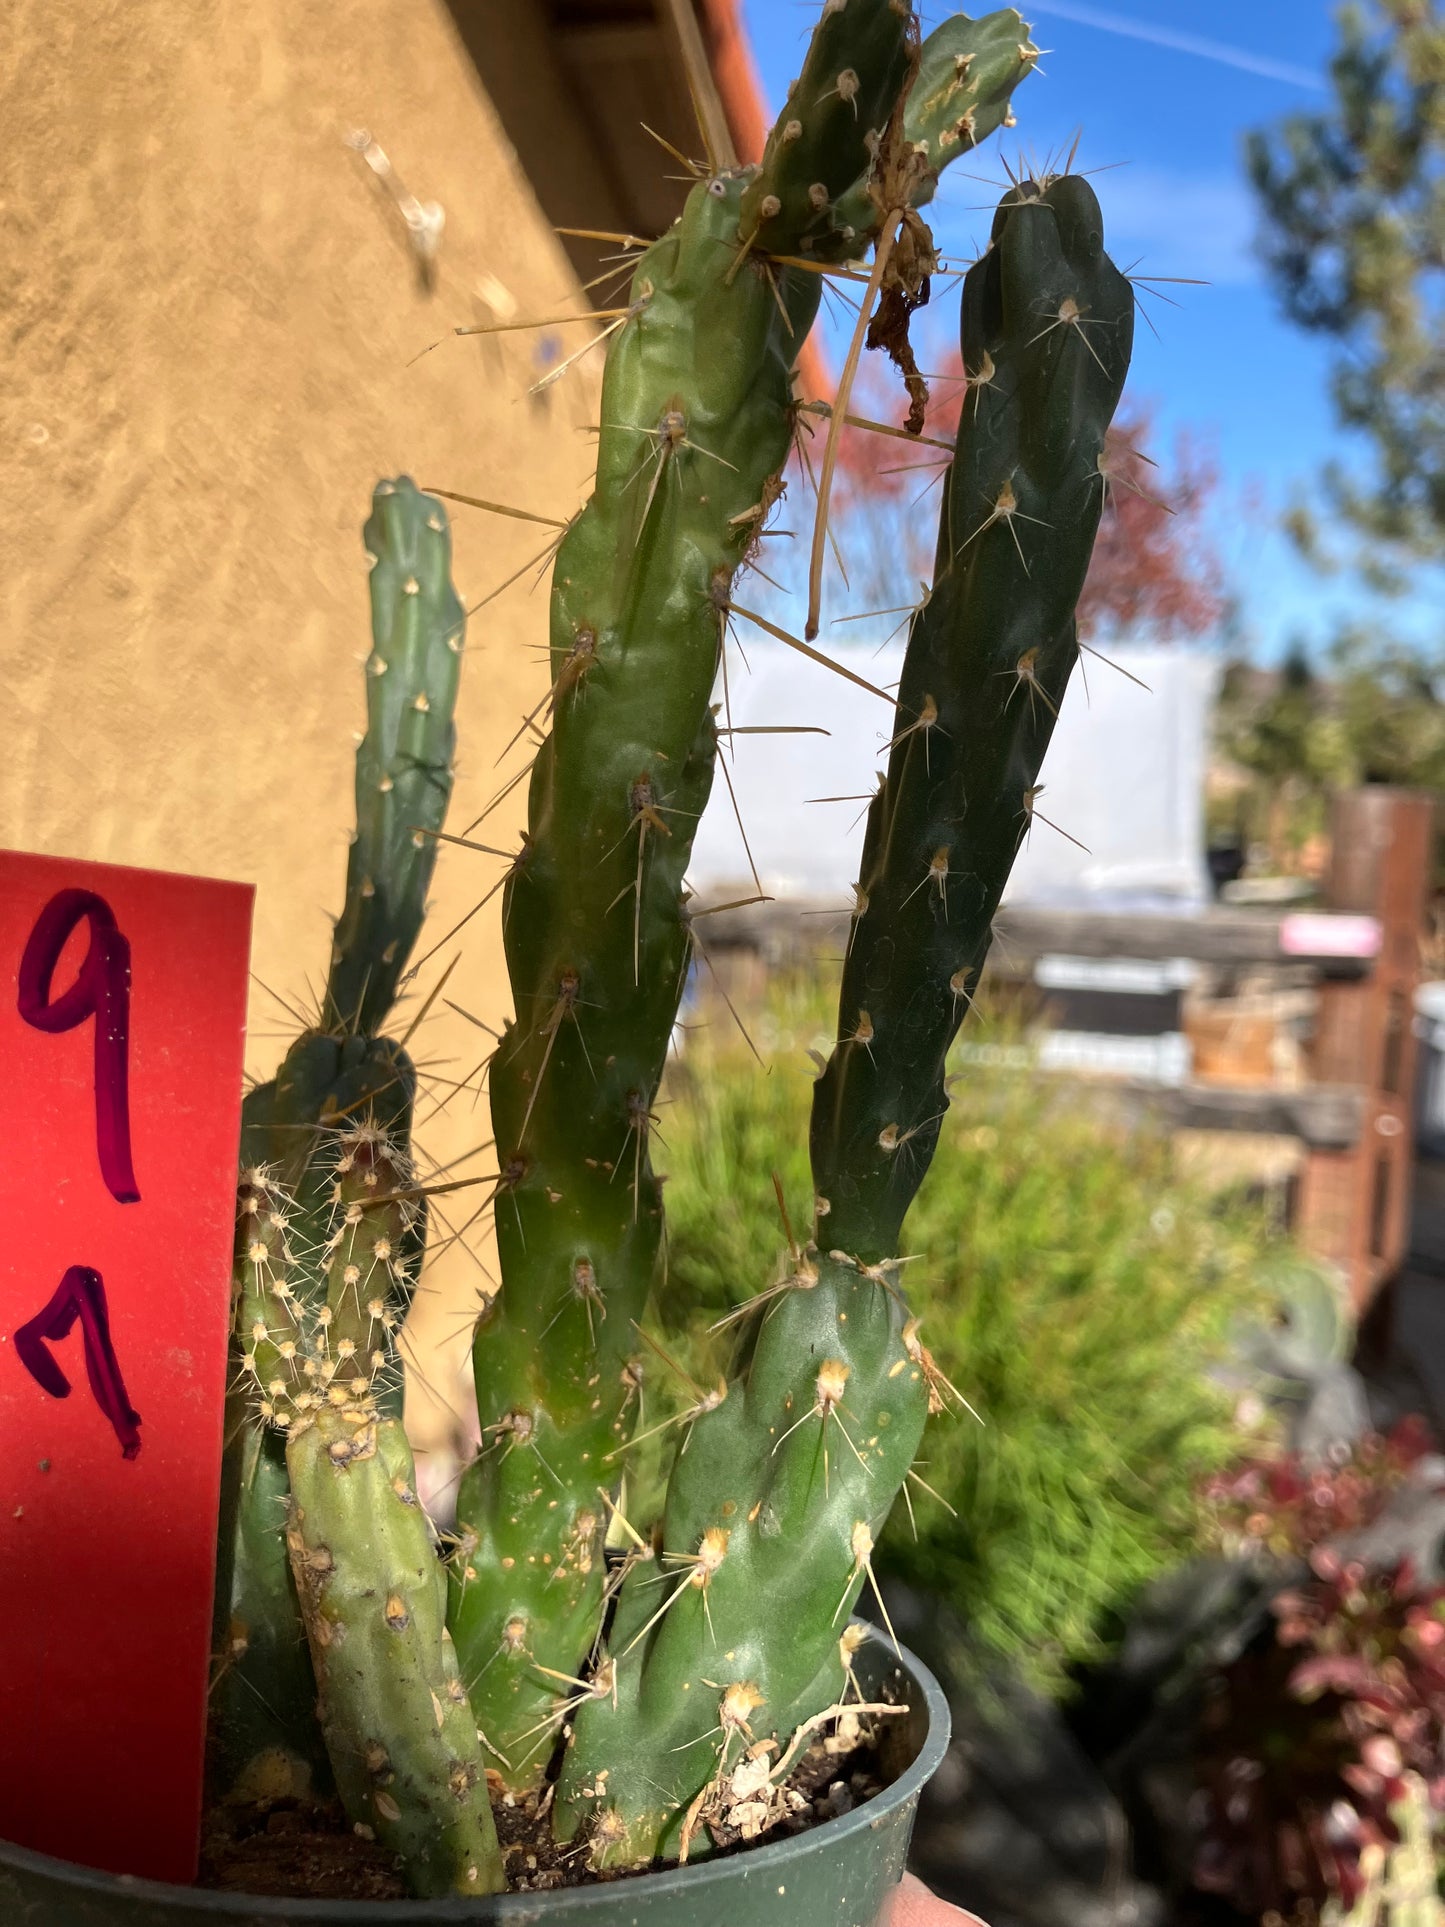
(1155, 572)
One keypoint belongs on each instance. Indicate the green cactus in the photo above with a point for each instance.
(682, 1683)
(781, 1490)
(1047, 327)
(967, 72)
(826, 139)
(400, 1733)
(697, 422)
(697, 419)
(330, 1226)
(404, 763)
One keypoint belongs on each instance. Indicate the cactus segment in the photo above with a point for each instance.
(334, 1080)
(777, 1495)
(827, 137)
(404, 763)
(264, 1743)
(696, 418)
(400, 1733)
(298, 1337)
(326, 1274)
(1047, 326)
(967, 72)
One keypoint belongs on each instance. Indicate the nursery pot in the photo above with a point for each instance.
(838, 1874)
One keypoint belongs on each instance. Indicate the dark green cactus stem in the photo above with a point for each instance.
(967, 72)
(826, 138)
(780, 1491)
(1047, 328)
(337, 1072)
(393, 1709)
(697, 416)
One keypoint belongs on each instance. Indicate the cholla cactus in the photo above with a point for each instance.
(661, 1689)
(324, 1546)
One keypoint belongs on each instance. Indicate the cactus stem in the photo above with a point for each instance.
(565, 1007)
(1006, 509)
(827, 1404)
(584, 1292)
(926, 721)
(640, 1121)
(700, 1567)
(937, 875)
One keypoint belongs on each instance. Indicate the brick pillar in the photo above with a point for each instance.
(1354, 1206)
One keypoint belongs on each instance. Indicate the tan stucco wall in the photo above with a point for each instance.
(208, 315)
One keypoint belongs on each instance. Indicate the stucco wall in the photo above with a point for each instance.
(209, 316)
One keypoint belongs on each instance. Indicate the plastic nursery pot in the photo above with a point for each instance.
(839, 1874)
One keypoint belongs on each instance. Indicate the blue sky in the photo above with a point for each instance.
(1226, 365)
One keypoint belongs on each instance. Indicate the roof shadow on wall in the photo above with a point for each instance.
(572, 82)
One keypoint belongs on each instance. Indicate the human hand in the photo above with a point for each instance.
(914, 1906)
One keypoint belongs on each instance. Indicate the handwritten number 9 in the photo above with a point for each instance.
(101, 991)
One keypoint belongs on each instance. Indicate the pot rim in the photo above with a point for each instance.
(546, 1905)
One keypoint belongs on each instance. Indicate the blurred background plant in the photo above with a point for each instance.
(1080, 1296)
(1290, 738)
(1314, 1735)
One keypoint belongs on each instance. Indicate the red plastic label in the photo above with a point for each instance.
(122, 1014)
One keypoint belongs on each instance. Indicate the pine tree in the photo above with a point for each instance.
(1353, 200)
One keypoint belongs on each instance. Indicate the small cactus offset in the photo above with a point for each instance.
(645, 1685)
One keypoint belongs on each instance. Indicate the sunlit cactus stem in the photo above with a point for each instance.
(401, 1735)
(659, 1697)
(697, 419)
(1047, 330)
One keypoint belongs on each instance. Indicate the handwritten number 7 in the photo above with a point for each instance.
(101, 991)
(81, 1294)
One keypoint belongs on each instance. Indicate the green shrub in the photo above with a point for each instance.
(1074, 1291)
